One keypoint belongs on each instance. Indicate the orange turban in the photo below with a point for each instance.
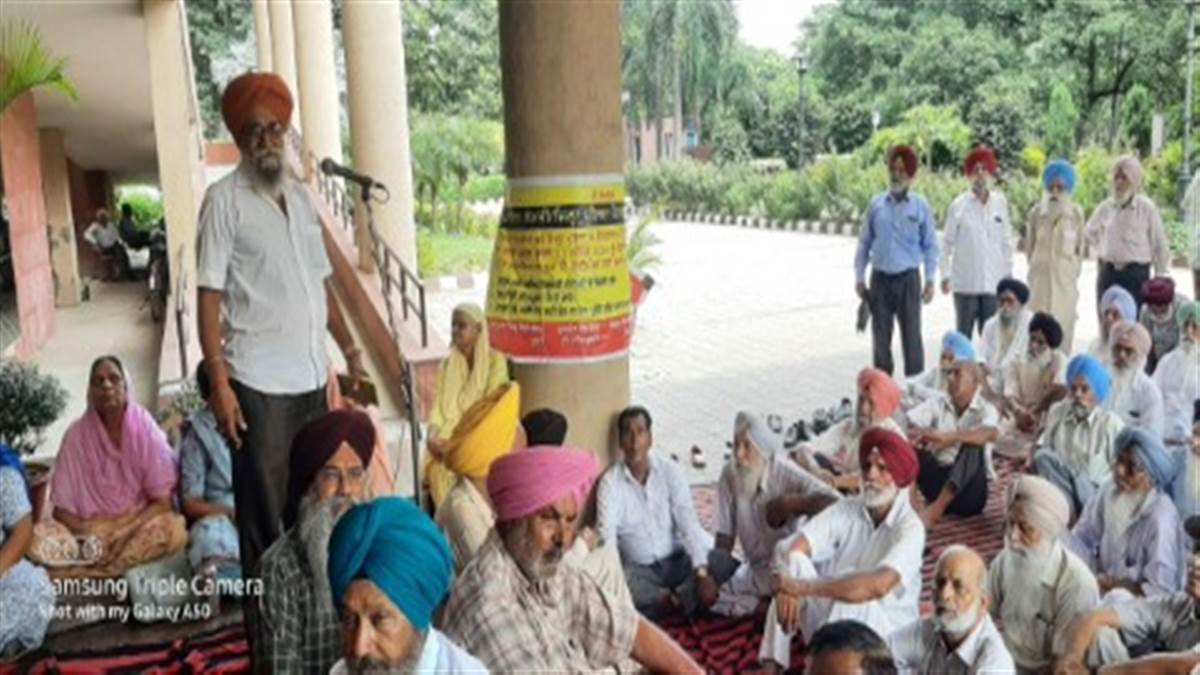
(255, 89)
(881, 389)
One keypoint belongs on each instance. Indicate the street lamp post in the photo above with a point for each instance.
(1185, 169)
(801, 70)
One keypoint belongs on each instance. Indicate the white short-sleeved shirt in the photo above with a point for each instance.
(271, 269)
(918, 648)
(939, 414)
(844, 539)
(839, 443)
(1140, 406)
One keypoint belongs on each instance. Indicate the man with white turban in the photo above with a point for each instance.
(1037, 586)
(1178, 378)
(762, 497)
(1130, 533)
(1128, 232)
(1134, 396)
(1078, 446)
(1054, 234)
(868, 549)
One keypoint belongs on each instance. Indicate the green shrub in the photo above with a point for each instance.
(427, 262)
(484, 188)
(791, 197)
(1033, 161)
(1161, 180)
(1022, 191)
(30, 401)
(746, 195)
(1093, 169)
(147, 205)
(1179, 236)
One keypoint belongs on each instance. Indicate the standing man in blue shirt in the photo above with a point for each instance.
(896, 237)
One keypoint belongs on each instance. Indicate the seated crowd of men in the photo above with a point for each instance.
(827, 540)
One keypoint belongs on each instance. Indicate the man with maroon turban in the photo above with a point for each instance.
(869, 548)
(296, 627)
(264, 307)
(897, 237)
(516, 607)
(976, 244)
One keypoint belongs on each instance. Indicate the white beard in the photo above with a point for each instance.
(1023, 566)
(877, 498)
(1056, 209)
(1122, 384)
(957, 624)
(1119, 510)
(749, 477)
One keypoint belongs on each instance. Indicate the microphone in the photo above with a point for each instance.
(332, 168)
(1192, 527)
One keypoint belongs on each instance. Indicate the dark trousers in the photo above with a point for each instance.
(675, 574)
(897, 298)
(967, 478)
(972, 311)
(260, 466)
(1131, 277)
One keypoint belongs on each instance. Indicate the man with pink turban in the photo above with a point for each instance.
(869, 548)
(1133, 395)
(833, 456)
(517, 608)
(1127, 231)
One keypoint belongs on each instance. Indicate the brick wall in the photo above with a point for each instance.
(20, 159)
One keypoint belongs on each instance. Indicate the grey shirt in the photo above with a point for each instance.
(271, 268)
(919, 648)
(1162, 623)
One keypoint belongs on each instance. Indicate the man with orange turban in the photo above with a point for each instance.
(833, 456)
(869, 548)
(976, 244)
(264, 307)
(897, 236)
(517, 607)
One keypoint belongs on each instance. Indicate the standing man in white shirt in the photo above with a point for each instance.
(976, 244)
(960, 637)
(264, 308)
(645, 507)
(869, 548)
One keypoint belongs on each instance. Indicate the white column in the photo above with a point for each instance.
(378, 106)
(60, 223)
(319, 106)
(262, 34)
(283, 48)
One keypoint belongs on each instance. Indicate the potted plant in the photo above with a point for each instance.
(640, 251)
(29, 402)
(25, 64)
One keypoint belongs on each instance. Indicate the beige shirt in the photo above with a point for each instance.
(839, 443)
(1087, 446)
(1036, 616)
(1056, 247)
(1132, 233)
(1029, 382)
(466, 517)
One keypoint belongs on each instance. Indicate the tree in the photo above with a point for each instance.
(937, 133)
(1000, 118)
(216, 30)
(1062, 117)
(1137, 119)
(452, 57)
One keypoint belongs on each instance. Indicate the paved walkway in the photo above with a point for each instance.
(760, 320)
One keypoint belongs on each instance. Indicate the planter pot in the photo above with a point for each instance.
(38, 473)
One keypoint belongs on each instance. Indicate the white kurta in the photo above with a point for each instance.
(996, 354)
(1028, 382)
(1178, 379)
(1056, 244)
(1140, 405)
(839, 443)
(1085, 446)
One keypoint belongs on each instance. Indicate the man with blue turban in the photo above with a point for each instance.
(1078, 447)
(1054, 238)
(389, 569)
(933, 383)
(1129, 532)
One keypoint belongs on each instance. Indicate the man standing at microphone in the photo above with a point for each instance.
(265, 305)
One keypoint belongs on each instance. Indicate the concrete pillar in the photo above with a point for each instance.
(319, 105)
(262, 34)
(177, 134)
(56, 186)
(561, 71)
(283, 49)
(378, 93)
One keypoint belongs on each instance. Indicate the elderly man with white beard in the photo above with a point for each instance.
(1005, 336)
(297, 629)
(1056, 245)
(1178, 378)
(869, 551)
(960, 637)
(516, 608)
(1134, 396)
(1036, 585)
(1035, 380)
(1077, 448)
(1130, 533)
(762, 496)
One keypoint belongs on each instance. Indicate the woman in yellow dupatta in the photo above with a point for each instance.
(468, 374)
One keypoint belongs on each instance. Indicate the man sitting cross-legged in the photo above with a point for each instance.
(953, 435)
(517, 608)
(869, 551)
(960, 637)
(644, 506)
(761, 498)
(297, 625)
(1130, 533)
(389, 569)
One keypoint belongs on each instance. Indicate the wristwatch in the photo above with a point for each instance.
(702, 572)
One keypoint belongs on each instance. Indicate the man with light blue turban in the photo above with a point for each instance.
(1054, 237)
(1078, 447)
(1130, 533)
(389, 569)
(934, 382)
